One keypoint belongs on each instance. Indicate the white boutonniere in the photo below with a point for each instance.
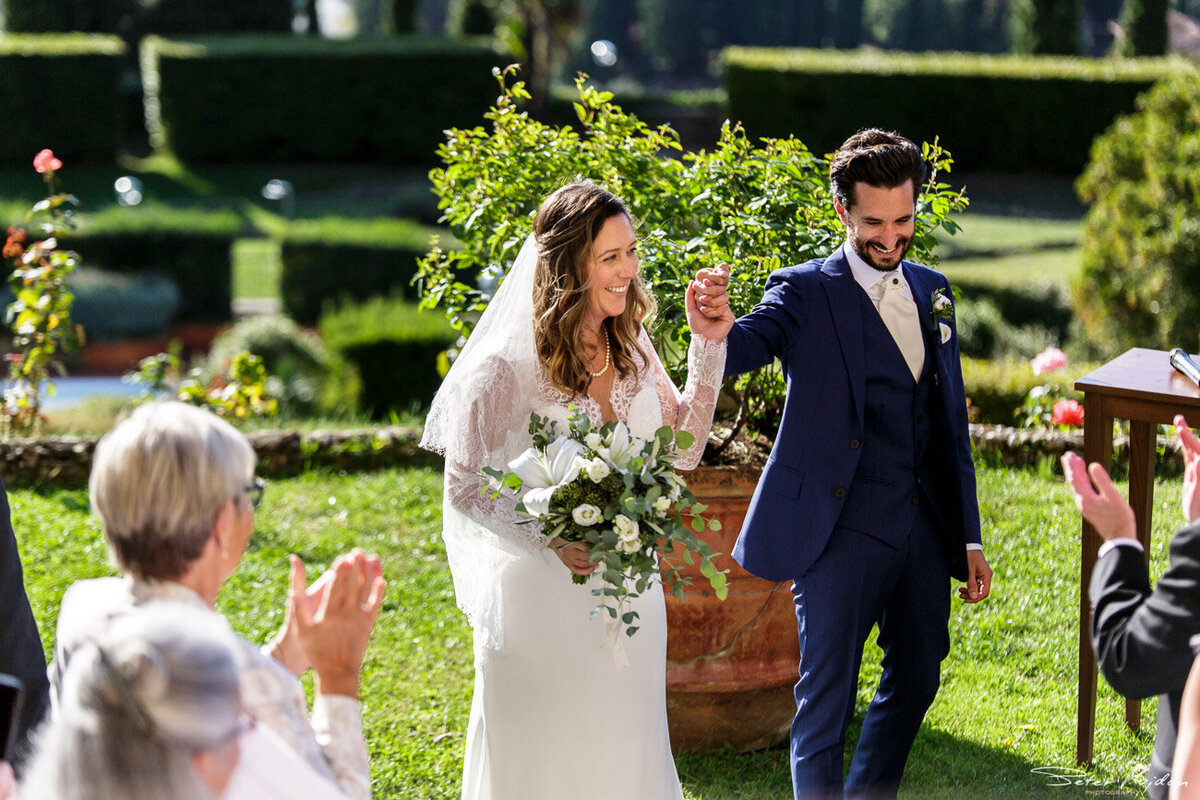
(943, 313)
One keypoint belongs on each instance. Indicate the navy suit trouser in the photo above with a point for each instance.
(856, 583)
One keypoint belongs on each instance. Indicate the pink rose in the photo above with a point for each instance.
(46, 162)
(1049, 360)
(1067, 412)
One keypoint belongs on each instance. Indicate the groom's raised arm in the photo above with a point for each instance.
(765, 333)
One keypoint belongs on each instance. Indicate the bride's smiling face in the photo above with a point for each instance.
(611, 269)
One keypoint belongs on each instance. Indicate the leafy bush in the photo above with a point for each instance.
(112, 306)
(997, 322)
(1141, 244)
(303, 375)
(301, 98)
(327, 261)
(803, 93)
(395, 347)
(60, 92)
(758, 206)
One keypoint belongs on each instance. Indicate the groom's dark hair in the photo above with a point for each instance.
(877, 158)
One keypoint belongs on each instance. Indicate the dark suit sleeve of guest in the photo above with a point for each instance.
(1141, 635)
(21, 651)
(764, 334)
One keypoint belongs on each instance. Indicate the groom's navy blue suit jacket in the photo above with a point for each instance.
(810, 318)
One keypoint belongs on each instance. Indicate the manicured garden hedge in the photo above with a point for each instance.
(995, 113)
(395, 347)
(327, 261)
(295, 98)
(60, 92)
(192, 248)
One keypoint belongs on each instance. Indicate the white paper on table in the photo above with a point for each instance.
(270, 770)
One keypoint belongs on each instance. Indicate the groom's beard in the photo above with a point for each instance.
(868, 253)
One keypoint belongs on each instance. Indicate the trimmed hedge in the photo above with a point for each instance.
(395, 347)
(333, 260)
(993, 113)
(297, 98)
(60, 92)
(192, 248)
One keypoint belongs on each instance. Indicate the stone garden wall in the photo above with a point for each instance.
(66, 461)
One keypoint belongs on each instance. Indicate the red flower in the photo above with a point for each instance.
(14, 247)
(46, 162)
(1067, 412)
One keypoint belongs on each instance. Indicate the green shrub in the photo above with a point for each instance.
(300, 98)
(984, 331)
(395, 347)
(304, 376)
(1141, 243)
(63, 16)
(327, 261)
(996, 388)
(215, 16)
(996, 113)
(62, 93)
(192, 248)
(112, 306)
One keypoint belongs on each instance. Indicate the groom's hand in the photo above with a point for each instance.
(979, 578)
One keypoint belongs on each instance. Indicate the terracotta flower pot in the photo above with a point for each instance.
(731, 664)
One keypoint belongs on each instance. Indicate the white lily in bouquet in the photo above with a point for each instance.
(621, 496)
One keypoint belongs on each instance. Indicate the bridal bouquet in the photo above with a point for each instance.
(620, 496)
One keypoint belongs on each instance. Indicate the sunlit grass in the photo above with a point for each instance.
(1007, 705)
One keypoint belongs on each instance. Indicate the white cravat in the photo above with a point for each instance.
(899, 313)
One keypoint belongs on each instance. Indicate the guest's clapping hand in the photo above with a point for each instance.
(287, 648)
(335, 633)
(8, 783)
(1101, 505)
(707, 304)
(1191, 469)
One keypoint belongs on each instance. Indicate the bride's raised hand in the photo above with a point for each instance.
(707, 304)
(574, 556)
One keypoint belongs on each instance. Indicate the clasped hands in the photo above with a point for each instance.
(1104, 507)
(328, 624)
(706, 303)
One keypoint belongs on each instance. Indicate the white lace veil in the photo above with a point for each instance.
(480, 417)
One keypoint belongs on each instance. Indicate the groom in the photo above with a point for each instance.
(868, 500)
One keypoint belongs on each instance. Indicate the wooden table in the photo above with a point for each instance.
(1142, 387)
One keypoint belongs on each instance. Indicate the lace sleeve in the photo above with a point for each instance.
(691, 411)
(498, 414)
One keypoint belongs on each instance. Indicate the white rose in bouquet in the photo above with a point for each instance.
(597, 470)
(586, 514)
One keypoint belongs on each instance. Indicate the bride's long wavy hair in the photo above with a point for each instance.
(566, 226)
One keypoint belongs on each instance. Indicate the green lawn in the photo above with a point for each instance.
(1012, 251)
(1007, 705)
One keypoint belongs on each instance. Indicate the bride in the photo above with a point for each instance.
(559, 711)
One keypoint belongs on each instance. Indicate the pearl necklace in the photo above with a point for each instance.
(607, 357)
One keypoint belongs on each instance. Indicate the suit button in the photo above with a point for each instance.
(854, 444)
(920, 417)
(916, 499)
(839, 492)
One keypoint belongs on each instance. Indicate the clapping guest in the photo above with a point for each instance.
(175, 489)
(150, 710)
(1141, 634)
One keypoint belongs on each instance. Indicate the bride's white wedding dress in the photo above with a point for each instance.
(559, 713)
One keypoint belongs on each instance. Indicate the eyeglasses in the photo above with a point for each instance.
(254, 492)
